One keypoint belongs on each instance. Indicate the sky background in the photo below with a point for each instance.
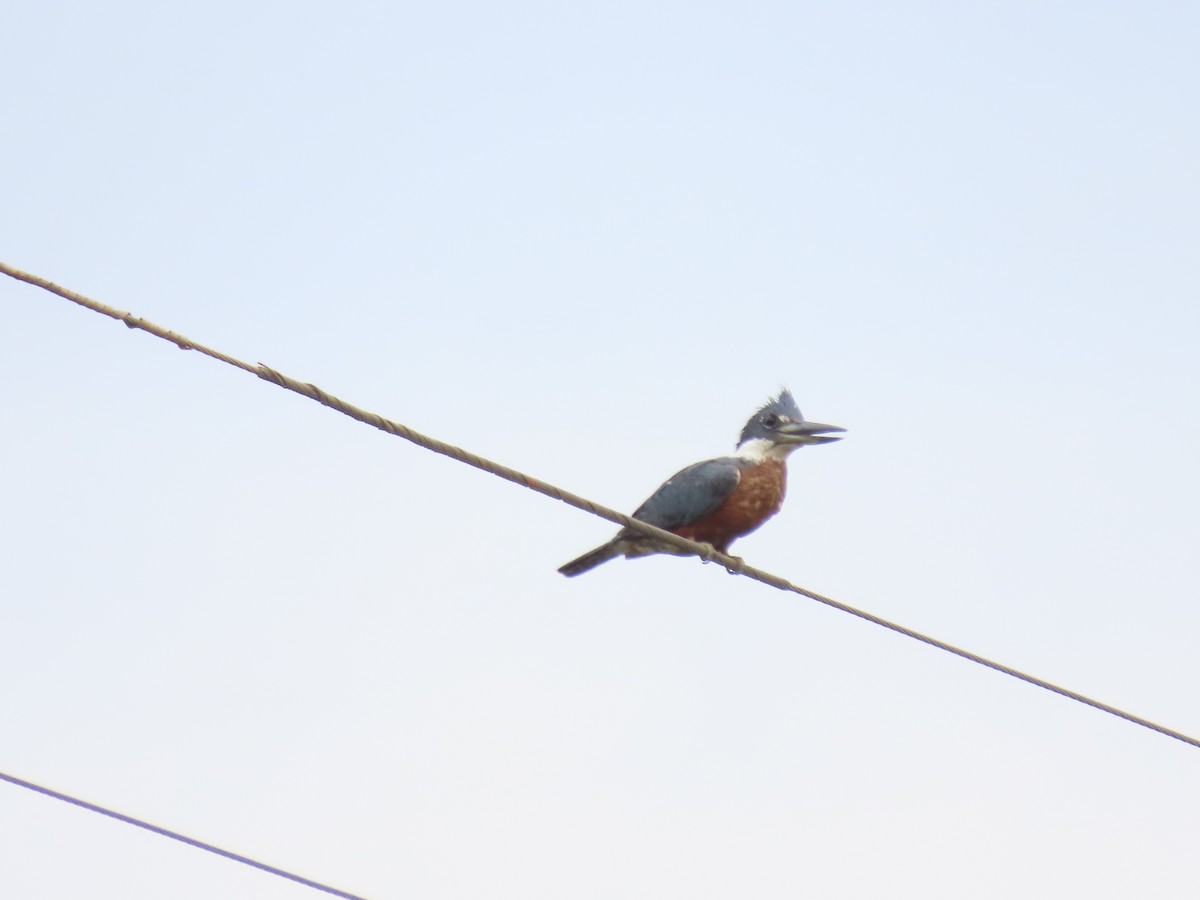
(587, 240)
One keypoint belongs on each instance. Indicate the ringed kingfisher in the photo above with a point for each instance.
(720, 500)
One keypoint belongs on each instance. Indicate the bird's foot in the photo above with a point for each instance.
(739, 566)
(710, 552)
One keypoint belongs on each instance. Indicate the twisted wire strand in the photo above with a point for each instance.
(705, 551)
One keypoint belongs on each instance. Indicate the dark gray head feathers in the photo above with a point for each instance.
(763, 422)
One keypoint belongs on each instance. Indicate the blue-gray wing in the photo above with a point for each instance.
(691, 494)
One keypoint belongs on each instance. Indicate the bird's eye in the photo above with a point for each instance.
(771, 420)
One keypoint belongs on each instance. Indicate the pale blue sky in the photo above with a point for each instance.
(587, 240)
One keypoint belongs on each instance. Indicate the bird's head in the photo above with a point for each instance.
(779, 428)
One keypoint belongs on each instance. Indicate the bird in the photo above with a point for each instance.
(720, 500)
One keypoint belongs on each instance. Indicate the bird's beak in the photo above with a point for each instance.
(806, 433)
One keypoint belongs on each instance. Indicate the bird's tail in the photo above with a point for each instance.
(591, 559)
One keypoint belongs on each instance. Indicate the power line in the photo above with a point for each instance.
(182, 838)
(704, 551)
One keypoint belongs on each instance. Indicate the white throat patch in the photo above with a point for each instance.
(760, 450)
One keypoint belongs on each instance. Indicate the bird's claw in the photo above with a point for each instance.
(710, 552)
